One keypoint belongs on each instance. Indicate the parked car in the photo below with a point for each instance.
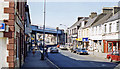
(63, 47)
(81, 51)
(53, 50)
(74, 50)
(115, 55)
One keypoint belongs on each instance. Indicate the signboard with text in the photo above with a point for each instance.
(2, 26)
(85, 39)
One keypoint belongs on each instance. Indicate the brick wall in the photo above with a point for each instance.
(10, 34)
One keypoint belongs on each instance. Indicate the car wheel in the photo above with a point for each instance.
(110, 59)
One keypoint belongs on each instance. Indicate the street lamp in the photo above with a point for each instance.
(65, 32)
(42, 56)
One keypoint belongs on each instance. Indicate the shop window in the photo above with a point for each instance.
(115, 46)
(109, 47)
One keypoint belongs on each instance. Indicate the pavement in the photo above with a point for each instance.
(35, 62)
(98, 54)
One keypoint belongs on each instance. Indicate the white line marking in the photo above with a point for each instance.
(53, 63)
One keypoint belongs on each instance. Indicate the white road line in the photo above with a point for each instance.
(52, 63)
(103, 65)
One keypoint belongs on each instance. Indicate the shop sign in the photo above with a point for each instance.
(85, 39)
(79, 39)
(2, 26)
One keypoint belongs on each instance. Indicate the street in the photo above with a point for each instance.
(67, 59)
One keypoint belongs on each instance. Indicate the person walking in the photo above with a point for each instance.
(46, 51)
(33, 51)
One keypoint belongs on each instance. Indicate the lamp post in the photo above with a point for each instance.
(57, 34)
(65, 32)
(42, 56)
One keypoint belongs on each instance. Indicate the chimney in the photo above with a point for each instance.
(107, 10)
(116, 9)
(113, 10)
(93, 14)
(79, 18)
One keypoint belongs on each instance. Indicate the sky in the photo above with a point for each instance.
(65, 13)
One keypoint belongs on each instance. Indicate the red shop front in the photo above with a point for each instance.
(110, 46)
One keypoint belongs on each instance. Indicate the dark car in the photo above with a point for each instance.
(115, 55)
(53, 50)
(81, 51)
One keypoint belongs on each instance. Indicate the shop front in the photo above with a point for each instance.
(110, 46)
(85, 43)
(79, 43)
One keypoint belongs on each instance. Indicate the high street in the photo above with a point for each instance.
(67, 59)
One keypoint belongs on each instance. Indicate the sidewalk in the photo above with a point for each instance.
(33, 61)
(98, 54)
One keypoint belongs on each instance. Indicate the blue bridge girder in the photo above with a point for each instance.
(47, 30)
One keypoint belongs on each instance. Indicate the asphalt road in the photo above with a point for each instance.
(66, 59)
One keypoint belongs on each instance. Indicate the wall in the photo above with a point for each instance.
(3, 52)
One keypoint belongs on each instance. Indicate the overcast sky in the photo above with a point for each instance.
(64, 12)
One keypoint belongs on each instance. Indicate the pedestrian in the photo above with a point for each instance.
(33, 51)
(46, 51)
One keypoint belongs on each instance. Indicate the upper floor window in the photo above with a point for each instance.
(100, 29)
(105, 27)
(117, 28)
(110, 27)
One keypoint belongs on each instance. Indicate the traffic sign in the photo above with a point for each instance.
(2, 26)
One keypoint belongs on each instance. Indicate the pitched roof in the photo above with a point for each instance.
(115, 17)
(102, 18)
(78, 22)
(90, 21)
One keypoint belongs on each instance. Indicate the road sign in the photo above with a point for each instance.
(2, 26)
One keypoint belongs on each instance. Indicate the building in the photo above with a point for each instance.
(74, 37)
(96, 27)
(85, 31)
(4, 52)
(111, 33)
(28, 30)
(12, 20)
(81, 39)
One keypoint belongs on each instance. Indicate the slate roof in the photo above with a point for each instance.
(115, 17)
(78, 22)
(102, 18)
(90, 21)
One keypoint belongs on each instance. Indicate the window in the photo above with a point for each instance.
(105, 28)
(117, 28)
(110, 27)
(99, 29)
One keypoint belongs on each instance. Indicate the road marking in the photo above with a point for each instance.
(103, 65)
(52, 63)
(91, 62)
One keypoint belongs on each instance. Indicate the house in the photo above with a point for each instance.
(111, 33)
(73, 31)
(85, 31)
(96, 28)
